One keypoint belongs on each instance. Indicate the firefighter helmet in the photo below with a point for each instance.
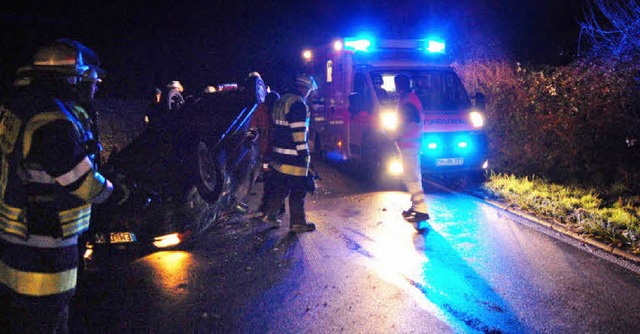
(306, 82)
(24, 76)
(66, 57)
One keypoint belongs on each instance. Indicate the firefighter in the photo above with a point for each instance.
(262, 123)
(409, 140)
(48, 182)
(152, 113)
(290, 156)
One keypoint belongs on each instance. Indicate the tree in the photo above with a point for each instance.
(612, 28)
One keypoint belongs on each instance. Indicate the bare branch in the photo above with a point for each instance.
(612, 28)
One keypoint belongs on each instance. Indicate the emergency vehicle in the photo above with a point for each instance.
(354, 111)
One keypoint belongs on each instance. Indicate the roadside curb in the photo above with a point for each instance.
(602, 250)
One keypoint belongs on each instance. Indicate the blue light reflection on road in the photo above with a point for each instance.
(449, 279)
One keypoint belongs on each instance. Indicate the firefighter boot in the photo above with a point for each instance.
(415, 216)
(272, 221)
(407, 213)
(300, 228)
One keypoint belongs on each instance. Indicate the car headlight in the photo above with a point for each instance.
(477, 119)
(389, 120)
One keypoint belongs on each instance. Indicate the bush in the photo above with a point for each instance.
(570, 124)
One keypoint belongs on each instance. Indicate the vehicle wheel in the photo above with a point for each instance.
(256, 89)
(203, 218)
(209, 177)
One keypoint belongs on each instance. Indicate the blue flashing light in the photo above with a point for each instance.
(463, 145)
(434, 46)
(362, 44)
(445, 145)
(432, 145)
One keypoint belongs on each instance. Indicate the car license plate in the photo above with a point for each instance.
(449, 162)
(121, 237)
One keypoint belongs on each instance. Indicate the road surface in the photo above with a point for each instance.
(476, 269)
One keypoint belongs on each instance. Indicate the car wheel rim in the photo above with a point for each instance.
(206, 167)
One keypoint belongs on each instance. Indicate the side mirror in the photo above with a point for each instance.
(480, 101)
(355, 103)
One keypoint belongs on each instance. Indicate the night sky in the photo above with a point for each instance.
(209, 42)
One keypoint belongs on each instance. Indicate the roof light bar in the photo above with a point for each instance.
(357, 44)
(434, 46)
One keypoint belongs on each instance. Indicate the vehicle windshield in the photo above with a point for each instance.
(437, 90)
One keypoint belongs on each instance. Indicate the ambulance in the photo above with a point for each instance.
(353, 114)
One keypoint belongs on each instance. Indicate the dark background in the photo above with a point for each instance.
(208, 42)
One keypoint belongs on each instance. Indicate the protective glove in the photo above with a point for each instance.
(121, 192)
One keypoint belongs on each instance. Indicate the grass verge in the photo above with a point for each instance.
(614, 220)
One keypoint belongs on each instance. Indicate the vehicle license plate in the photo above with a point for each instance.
(449, 162)
(121, 237)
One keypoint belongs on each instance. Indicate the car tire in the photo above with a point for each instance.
(209, 176)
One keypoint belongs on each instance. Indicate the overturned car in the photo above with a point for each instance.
(184, 172)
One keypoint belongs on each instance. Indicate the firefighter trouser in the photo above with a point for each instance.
(283, 185)
(412, 178)
(36, 320)
(28, 314)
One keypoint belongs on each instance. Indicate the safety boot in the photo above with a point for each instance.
(272, 221)
(301, 228)
(415, 216)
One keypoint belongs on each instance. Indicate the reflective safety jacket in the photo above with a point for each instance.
(290, 134)
(47, 184)
(410, 115)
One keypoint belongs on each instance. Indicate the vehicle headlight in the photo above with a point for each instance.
(389, 120)
(167, 240)
(395, 167)
(477, 119)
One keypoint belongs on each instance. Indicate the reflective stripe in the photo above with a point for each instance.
(298, 125)
(286, 151)
(291, 170)
(319, 118)
(9, 129)
(417, 197)
(55, 62)
(302, 147)
(41, 241)
(76, 173)
(38, 284)
(75, 220)
(35, 123)
(280, 122)
(106, 192)
(299, 137)
(12, 220)
(336, 122)
(39, 176)
(91, 187)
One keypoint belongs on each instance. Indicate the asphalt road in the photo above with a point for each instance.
(476, 268)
